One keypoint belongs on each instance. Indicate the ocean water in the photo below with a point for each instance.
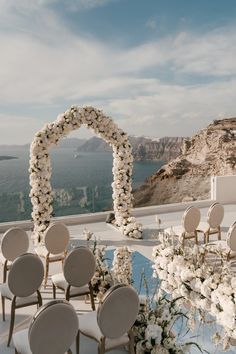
(80, 185)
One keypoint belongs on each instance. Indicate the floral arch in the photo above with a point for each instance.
(40, 167)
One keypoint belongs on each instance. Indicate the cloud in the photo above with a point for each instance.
(73, 5)
(173, 109)
(42, 63)
(17, 129)
(151, 23)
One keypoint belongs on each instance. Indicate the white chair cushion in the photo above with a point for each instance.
(21, 342)
(43, 252)
(59, 281)
(89, 327)
(5, 291)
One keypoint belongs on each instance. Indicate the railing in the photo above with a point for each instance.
(81, 205)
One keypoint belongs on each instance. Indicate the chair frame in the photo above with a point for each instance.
(185, 235)
(68, 295)
(210, 231)
(47, 305)
(48, 261)
(102, 341)
(14, 306)
(47, 257)
(6, 265)
(228, 255)
(13, 309)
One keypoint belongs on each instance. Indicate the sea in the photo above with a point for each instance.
(81, 182)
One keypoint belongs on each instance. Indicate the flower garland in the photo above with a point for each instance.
(40, 167)
(122, 265)
(185, 273)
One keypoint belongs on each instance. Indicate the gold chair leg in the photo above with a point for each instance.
(46, 273)
(196, 238)
(54, 289)
(131, 342)
(77, 342)
(3, 308)
(219, 233)
(40, 301)
(92, 297)
(4, 272)
(12, 320)
(101, 346)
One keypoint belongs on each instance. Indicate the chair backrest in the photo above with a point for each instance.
(25, 275)
(56, 238)
(14, 242)
(231, 237)
(79, 266)
(118, 311)
(191, 219)
(215, 215)
(54, 328)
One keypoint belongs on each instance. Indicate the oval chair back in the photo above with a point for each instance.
(26, 275)
(54, 328)
(14, 242)
(118, 311)
(231, 237)
(215, 215)
(79, 266)
(191, 219)
(56, 238)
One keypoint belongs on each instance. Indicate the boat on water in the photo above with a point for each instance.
(76, 156)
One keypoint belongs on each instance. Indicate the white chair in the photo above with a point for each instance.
(111, 325)
(215, 216)
(188, 228)
(56, 240)
(52, 330)
(78, 270)
(228, 246)
(14, 242)
(22, 288)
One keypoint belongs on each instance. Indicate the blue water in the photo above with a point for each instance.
(142, 272)
(82, 185)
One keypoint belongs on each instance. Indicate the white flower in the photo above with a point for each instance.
(40, 169)
(153, 331)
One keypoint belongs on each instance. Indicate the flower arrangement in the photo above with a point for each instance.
(153, 329)
(40, 167)
(186, 273)
(102, 279)
(122, 265)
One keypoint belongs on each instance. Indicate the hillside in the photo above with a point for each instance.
(144, 148)
(187, 177)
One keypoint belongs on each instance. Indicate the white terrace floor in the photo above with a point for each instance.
(110, 237)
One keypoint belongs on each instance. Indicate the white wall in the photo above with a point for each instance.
(223, 189)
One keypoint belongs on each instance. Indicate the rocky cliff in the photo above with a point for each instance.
(144, 148)
(210, 152)
(164, 149)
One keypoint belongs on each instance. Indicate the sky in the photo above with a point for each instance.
(157, 67)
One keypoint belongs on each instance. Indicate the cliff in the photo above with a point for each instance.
(144, 148)
(187, 177)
